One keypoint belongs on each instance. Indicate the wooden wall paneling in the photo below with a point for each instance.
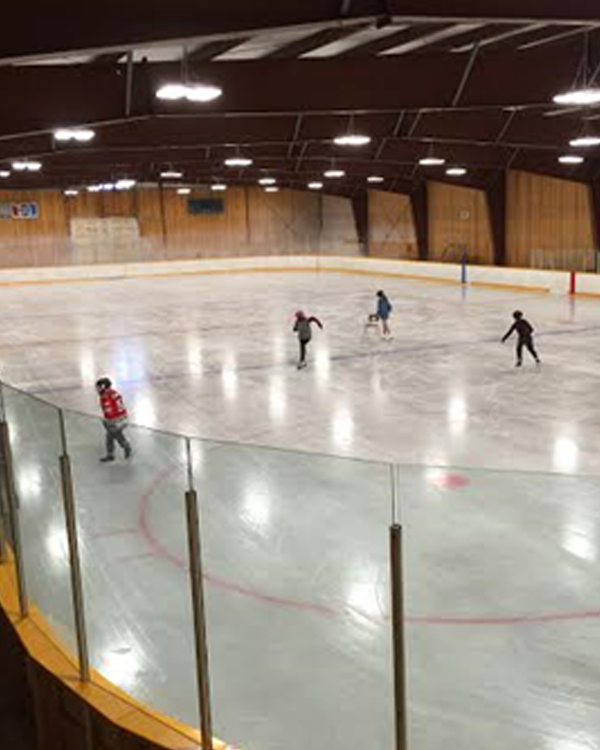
(458, 222)
(283, 223)
(338, 232)
(35, 242)
(150, 214)
(391, 226)
(550, 223)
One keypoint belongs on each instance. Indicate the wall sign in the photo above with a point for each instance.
(19, 211)
(206, 206)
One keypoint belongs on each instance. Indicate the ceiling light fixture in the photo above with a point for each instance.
(585, 141)
(171, 174)
(374, 178)
(198, 92)
(108, 186)
(272, 189)
(27, 166)
(81, 135)
(352, 139)
(571, 159)
(584, 97)
(334, 174)
(456, 172)
(4, 173)
(184, 191)
(71, 192)
(125, 184)
(218, 187)
(315, 185)
(94, 188)
(238, 161)
(432, 161)
(267, 181)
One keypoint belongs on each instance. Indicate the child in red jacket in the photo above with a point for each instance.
(115, 419)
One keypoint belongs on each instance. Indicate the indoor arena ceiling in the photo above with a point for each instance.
(469, 81)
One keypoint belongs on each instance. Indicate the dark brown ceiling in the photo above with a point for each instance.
(472, 84)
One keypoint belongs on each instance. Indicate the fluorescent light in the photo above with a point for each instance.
(191, 92)
(171, 175)
(267, 181)
(71, 192)
(238, 161)
(203, 93)
(375, 178)
(4, 173)
(432, 161)
(94, 188)
(456, 172)
(586, 141)
(125, 184)
(335, 173)
(81, 135)
(27, 166)
(571, 159)
(352, 139)
(581, 97)
(218, 187)
(315, 185)
(272, 189)
(184, 191)
(108, 186)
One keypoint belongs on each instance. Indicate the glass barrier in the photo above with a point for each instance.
(132, 521)
(35, 439)
(500, 575)
(297, 590)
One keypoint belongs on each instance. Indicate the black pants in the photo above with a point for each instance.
(526, 343)
(303, 348)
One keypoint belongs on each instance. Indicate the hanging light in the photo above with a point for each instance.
(352, 139)
(218, 187)
(272, 189)
(81, 135)
(315, 185)
(456, 172)
(238, 161)
(432, 161)
(584, 97)
(171, 174)
(267, 181)
(108, 187)
(199, 92)
(334, 174)
(27, 166)
(571, 159)
(94, 188)
(374, 178)
(4, 173)
(184, 191)
(125, 184)
(70, 192)
(585, 141)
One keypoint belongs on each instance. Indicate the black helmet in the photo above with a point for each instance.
(103, 384)
(517, 315)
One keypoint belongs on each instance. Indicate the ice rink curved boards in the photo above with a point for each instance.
(501, 567)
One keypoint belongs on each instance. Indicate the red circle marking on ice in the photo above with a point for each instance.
(449, 481)
(159, 549)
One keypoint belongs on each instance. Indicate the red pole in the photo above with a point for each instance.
(573, 289)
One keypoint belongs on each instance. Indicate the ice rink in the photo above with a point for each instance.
(499, 494)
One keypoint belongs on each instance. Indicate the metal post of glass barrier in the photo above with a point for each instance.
(3, 502)
(400, 704)
(74, 559)
(10, 495)
(197, 588)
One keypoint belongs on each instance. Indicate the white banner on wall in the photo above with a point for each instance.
(98, 240)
